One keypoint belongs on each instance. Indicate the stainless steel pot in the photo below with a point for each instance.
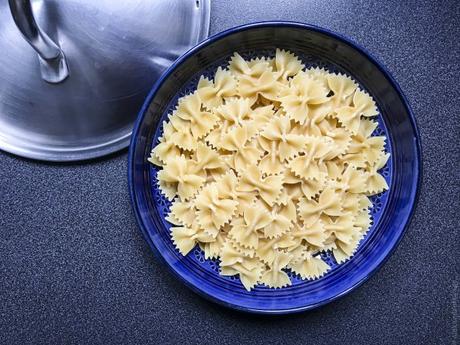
(76, 94)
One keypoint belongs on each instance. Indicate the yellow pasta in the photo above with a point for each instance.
(181, 172)
(277, 137)
(269, 164)
(286, 64)
(214, 209)
(265, 86)
(254, 68)
(213, 93)
(245, 152)
(301, 96)
(310, 267)
(275, 276)
(350, 116)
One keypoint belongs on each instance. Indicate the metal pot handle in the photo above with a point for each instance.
(53, 64)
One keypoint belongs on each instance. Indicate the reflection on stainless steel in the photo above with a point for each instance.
(115, 51)
(53, 64)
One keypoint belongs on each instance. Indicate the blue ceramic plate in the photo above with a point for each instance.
(392, 210)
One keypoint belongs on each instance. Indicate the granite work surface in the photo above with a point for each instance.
(74, 269)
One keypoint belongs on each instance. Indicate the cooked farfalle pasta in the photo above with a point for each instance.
(214, 208)
(213, 93)
(181, 173)
(268, 165)
(244, 149)
(350, 116)
(286, 65)
(301, 97)
(265, 86)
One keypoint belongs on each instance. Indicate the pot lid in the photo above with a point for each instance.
(76, 95)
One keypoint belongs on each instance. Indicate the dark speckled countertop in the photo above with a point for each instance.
(74, 269)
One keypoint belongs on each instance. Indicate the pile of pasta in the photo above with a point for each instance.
(270, 164)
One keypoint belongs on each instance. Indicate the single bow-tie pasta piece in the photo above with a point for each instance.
(213, 93)
(311, 267)
(180, 171)
(245, 152)
(166, 148)
(286, 64)
(278, 134)
(376, 183)
(212, 250)
(354, 180)
(342, 227)
(236, 112)
(183, 212)
(308, 165)
(201, 121)
(275, 276)
(328, 203)
(254, 68)
(185, 238)
(303, 93)
(271, 162)
(214, 209)
(184, 139)
(342, 88)
(245, 230)
(282, 218)
(350, 116)
(249, 271)
(207, 161)
(269, 188)
(340, 137)
(314, 234)
(265, 86)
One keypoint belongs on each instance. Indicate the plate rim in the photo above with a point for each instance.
(414, 197)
